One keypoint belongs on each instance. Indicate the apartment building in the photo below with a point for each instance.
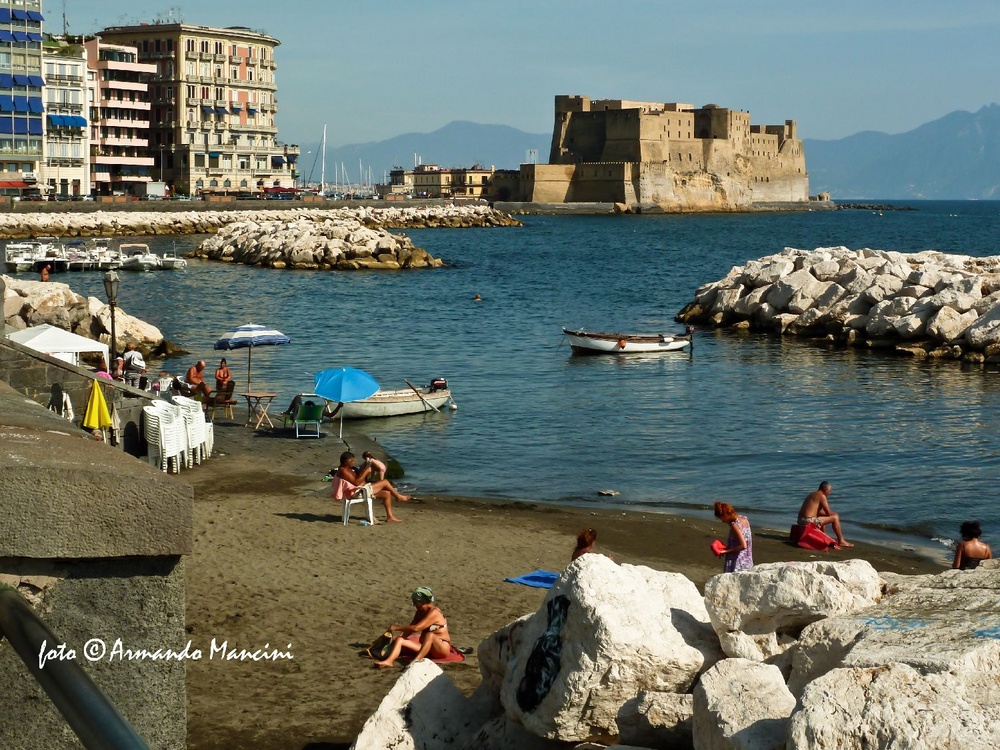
(213, 93)
(65, 168)
(21, 108)
(433, 181)
(119, 119)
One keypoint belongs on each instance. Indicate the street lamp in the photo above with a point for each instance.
(111, 282)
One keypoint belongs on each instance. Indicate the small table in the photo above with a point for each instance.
(257, 406)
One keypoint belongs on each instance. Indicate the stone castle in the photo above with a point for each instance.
(673, 156)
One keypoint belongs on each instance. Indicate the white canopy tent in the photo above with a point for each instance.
(58, 343)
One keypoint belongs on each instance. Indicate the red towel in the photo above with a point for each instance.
(453, 655)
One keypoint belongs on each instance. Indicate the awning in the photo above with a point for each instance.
(21, 104)
(34, 36)
(214, 155)
(34, 15)
(75, 121)
(6, 126)
(4, 185)
(6, 36)
(21, 80)
(58, 120)
(5, 15)
(6, 103)
(208, 109)
(221, 111)
(35, 104)
(34, 127)
(20, 15)
(251, 111)
(277, 159)
(20, 36)
(20, 126)
(36, 81)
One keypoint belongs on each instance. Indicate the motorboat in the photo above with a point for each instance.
(137, 257)
(106, 256)
(79, 257)
(394, 403)
(50, 253)
(20, 256)
(171, 261)
(585, 342)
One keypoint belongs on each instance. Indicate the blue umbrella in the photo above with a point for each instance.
(344, 384)
(249, 336)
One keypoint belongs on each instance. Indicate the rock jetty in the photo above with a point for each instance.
(926, 304)
(804, 656)
(117, 223)
(32, 303)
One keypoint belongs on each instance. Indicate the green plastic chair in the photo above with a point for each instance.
(309, 415)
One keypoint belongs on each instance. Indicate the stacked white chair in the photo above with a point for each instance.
(209, 438)
(194, 423)
(163, 438)
(174, 430)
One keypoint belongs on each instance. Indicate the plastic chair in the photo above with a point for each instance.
(223, 398)
(353, 496)
(308, 414)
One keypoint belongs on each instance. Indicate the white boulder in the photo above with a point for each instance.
(654, 719)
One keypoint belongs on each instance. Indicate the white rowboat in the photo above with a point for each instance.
(584, 342)
(396, 403)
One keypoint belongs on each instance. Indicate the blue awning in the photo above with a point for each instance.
(6, 125)
(21, 80)
(34, 15)
(20, 15)
(34, 37)
(214, 155)
(6, 80)
(20, 126)
(75, 121)
(6, 36)
(6, 103)
(58, 120)
(221, 111)
(21, 104)
(36, 81)
(208, 109)
(35, 104)
(20, 36)
(5, 15)
(34, 127)
(277, 159)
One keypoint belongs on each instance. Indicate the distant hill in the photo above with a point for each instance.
(457, 144)
(954, 158)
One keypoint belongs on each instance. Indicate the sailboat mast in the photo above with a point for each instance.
(322, 170)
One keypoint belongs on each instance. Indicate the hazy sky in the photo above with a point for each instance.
(373, 69)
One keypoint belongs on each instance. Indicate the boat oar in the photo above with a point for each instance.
(420, 396)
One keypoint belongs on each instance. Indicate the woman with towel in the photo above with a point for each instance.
(429, 622)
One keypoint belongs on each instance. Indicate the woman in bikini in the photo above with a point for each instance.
(970, 551)
(429, 622)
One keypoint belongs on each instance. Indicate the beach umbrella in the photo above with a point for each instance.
(344, 384)
(96, 416)
(249, 336)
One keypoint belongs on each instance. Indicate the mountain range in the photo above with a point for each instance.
(956, 157)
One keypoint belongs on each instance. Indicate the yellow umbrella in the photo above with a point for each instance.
(97, 416)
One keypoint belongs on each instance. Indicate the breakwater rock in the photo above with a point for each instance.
(926, 304)
(207, 221)
(32, 303)
(800, 655)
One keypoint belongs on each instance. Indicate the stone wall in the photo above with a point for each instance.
(94, 540)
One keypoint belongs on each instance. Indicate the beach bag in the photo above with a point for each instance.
(380, 646)
(813, 537)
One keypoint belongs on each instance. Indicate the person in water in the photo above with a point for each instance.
(429, 622)
(970, 551)
(739, 547)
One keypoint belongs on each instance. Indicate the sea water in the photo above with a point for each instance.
(754, 419)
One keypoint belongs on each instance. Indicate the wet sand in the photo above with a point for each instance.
(273, 564)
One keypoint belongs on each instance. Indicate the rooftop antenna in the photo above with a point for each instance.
(532, 156)
(65, 25)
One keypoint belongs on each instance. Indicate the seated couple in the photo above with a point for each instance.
(348, 478)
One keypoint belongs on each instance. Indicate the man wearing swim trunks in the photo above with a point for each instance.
(816, 510)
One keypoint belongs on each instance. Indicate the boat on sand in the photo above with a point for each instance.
(585, 342)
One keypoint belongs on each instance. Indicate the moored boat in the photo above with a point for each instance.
(171, 261)
(136, 257)
(20, 256)
(585, 342)
(402, 401)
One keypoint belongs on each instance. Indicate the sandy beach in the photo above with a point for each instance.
(274, 568)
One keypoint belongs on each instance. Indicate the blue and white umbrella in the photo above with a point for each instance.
(249, 336)
(344, 384)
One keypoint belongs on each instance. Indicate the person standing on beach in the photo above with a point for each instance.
(816, 510)
(739, 547)
(352, 478)
(970, 551)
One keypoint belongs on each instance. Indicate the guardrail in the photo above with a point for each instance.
(88, 712)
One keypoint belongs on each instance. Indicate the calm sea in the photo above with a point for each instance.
(754, 419)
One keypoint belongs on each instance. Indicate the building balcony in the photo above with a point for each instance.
(117, 122)
(221, 58)
(126, 142)
(206, 56)
(124, 66)
(123, 85)
(131, 178)
(54, 78)
(236, 60)
(135, 161)
(122, 104)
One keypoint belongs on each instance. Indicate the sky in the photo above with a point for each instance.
(373, 69)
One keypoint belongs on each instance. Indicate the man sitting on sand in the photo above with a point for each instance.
(351, 478)
(196, 378)
(816, 510)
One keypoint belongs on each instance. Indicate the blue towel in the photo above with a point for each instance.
(539, 579)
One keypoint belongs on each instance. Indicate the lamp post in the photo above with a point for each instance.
(111, 282)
